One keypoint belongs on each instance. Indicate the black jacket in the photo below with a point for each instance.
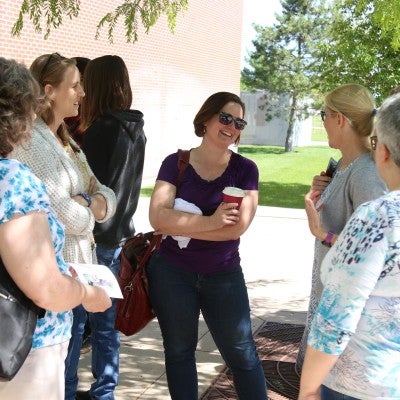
(114, 146)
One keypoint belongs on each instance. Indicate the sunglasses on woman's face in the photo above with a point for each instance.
(227, 119)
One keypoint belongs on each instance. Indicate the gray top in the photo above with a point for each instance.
(357, 183)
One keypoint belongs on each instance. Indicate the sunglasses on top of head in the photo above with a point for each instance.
(227, 119)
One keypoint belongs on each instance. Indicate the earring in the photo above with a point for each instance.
(204, 129)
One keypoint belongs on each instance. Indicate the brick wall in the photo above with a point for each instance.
(171, 73)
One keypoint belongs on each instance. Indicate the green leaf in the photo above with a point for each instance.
(132, 12)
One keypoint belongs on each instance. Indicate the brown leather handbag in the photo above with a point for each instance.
(134, 311)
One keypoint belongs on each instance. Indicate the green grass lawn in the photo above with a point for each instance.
(318, 130)
(284, 177)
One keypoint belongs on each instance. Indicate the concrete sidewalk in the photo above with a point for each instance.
(276, 251)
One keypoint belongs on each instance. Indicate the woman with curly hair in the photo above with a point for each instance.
(31, 243)
(76, 195)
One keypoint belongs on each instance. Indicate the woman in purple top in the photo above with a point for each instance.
(197, 267)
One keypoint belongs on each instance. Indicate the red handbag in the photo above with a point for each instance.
(134, 311)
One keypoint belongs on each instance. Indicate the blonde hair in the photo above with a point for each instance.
(356, 103)
(50, 69)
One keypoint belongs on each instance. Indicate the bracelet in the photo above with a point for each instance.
(328, 239)
(87, 198)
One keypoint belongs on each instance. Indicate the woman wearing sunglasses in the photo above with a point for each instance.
(353, 349)
(205, 274)
(348, 120)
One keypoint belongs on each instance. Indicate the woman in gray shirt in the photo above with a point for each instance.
(348, 120)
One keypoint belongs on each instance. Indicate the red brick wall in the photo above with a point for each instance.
(171, 73)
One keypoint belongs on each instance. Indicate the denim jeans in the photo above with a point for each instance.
(74, 349)
(105, 339)
(330, 394)
(178, 296)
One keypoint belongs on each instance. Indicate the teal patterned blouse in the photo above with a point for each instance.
(22, 192)
(358, 317)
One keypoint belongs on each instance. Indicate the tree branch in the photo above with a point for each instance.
(146, 12)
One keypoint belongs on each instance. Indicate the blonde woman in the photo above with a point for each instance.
(348, 116)
(353, 349)
(77, 197)
(31, 242)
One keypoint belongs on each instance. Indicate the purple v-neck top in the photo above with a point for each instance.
(204, 256)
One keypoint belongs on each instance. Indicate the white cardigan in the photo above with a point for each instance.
(63, 179)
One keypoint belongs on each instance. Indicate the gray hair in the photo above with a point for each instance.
(18, 101)
(387, 126)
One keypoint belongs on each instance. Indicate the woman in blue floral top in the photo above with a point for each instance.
(31, 243)
(353, 347)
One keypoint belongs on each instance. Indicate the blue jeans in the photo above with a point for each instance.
(74, 349)
(178, 296)
(330, 394)
(104, 338)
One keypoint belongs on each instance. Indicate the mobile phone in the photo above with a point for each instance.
(331, 167)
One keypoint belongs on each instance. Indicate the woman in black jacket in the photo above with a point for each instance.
(114, 144)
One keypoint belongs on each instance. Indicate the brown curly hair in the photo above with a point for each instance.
(18, 101)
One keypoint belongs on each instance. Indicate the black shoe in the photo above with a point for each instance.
(86, 345)
(82, 395)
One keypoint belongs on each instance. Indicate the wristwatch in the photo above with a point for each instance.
(87, 198)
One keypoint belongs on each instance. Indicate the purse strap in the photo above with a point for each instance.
(183, 162)
(155, 241)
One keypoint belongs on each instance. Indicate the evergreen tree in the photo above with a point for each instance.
(283, 62)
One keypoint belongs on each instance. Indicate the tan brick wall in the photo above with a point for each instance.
(171, 73)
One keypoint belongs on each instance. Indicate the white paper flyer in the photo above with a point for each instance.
(97, 275)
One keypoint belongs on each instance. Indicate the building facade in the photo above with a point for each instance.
(171, 73)
(271, 133)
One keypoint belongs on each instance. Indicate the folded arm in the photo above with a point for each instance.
(226, 223)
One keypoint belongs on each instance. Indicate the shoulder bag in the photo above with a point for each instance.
(18, 316)
(134, 311)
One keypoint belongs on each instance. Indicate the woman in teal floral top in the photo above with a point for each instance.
(31, 243)
(353, 347)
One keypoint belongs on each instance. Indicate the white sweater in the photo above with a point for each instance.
(63, 179)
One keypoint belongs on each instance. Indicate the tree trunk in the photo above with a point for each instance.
(289, 132)
(289, 138)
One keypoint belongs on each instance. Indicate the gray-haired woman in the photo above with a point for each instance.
(31, 243)
(353, 347)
